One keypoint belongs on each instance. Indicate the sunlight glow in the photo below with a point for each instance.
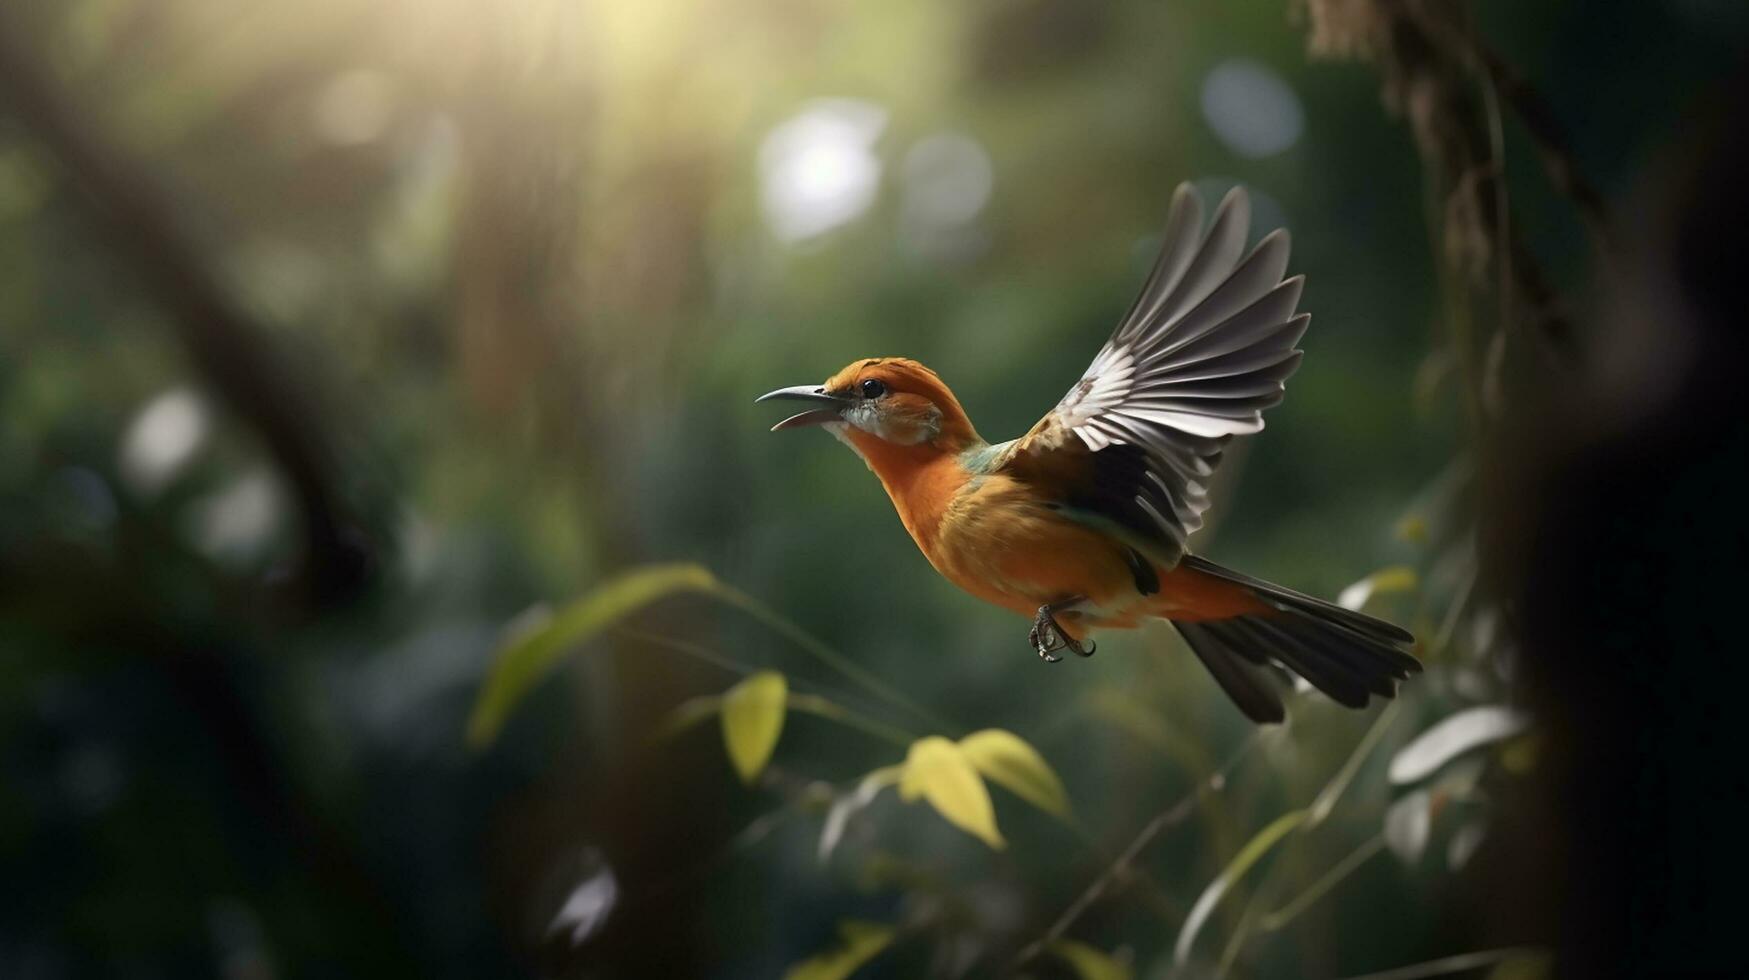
(818, 169)
(353, 108)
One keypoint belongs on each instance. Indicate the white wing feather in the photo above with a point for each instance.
(1204, 350)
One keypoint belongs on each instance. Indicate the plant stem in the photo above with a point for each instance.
(1330, 879)
(819, 650)
(813, 704)
(1170, 817)
(1453, 964)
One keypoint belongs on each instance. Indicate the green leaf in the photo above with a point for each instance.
(752, 721)
(1089, 963)
(529, 653)
(1007, 760)
(936, 770)
(863, 941)
(1248, 855)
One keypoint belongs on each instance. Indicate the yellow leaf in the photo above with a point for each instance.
(1089, 963)
(1397, 578)
(752, 720)
(936, 770)
(528, 654)
(862, 942)
(1007, 760)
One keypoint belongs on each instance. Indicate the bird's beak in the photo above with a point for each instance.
(829, 411)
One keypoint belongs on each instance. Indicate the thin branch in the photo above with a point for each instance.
(1316, 813)
(1490, 381)
(1546, 135)
(823, 652)
(1260, 896)
(1430, 63)
(1330, 879)
(813, 704)
(1338, 784)
(1120, 868)
(832, 711)
(1447, 965)
(686, 648)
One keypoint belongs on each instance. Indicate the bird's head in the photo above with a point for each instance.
(889, 401)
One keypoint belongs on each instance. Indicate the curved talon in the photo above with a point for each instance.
(1044, 639)
(1047, 636)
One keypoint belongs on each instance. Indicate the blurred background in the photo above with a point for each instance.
(339, 339)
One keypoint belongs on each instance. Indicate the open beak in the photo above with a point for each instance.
(830, 406)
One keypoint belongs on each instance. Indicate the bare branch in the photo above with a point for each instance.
(1120, 868)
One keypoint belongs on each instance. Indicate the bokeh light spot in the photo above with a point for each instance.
(947, 180)
(163, 437)
(1251, 109)
(818, 169)
(234, 524)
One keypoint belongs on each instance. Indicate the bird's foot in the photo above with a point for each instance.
(1047, 637)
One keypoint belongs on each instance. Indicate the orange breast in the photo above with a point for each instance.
(991, 536)
(1000, 543)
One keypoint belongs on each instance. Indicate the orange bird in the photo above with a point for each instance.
(1082, 524)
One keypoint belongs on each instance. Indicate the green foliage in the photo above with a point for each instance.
(534, 648)
(949, 775)
(520, 259)
(1253, 851)
(862, 941)
(1090, 963)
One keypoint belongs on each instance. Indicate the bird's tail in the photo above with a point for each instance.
(1347, 655)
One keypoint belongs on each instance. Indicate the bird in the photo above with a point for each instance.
(1083, 523)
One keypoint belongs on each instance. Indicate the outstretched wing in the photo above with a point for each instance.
(1204, 350)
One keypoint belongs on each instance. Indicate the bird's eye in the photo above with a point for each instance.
(873, 389)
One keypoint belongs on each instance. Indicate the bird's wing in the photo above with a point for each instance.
(1204, 350)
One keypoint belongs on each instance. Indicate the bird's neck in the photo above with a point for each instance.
(921, 479)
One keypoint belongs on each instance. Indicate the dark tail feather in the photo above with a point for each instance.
(1245, 680)
(1347, 655)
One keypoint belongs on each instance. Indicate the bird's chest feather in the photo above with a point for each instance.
(999, 542)
(992, 535)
